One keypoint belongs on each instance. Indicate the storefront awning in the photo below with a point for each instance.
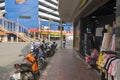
(71, 9)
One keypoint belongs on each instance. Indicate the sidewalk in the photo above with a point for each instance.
(67, 65)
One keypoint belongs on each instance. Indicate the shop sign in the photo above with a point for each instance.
(20, 1)
(82, 4)
(45, 28)
(43, 32)
(33, 29)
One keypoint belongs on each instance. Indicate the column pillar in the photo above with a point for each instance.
(118, 26)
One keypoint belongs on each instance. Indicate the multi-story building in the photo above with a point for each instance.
(48, 9)
(48, 15)
(2, 7)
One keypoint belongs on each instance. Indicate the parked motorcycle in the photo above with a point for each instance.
(48, 50)
(40, 57)
(28, 70)
(51, 49)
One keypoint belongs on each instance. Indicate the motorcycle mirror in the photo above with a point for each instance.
(21, 55)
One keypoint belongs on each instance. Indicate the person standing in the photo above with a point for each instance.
(64, 43)
(94, 55)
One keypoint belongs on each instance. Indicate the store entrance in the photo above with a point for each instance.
(92, 26)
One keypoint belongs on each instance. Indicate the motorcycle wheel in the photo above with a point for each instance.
(41, 63)
(52, 53)
(27, 76)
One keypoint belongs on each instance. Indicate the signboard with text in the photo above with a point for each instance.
(20, 1)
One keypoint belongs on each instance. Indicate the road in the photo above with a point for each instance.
(9, 55)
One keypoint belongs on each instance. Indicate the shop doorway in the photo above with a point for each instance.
(93, 23)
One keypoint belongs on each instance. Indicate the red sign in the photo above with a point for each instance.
(33, 29)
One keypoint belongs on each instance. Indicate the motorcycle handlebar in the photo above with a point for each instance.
(21, 55)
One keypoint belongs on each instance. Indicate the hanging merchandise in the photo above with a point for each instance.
(106, 42)
(109, 63)
(109, 60)
(113, 44)
(108, 27)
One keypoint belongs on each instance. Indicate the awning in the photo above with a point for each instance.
(69, 10)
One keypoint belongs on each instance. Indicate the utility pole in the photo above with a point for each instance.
(17, 29)
(61, 36)
(39, 28)
(49, 29)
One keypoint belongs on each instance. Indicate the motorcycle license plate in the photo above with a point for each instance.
(16, 76)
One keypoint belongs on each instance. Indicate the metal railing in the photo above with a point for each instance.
(12, 26)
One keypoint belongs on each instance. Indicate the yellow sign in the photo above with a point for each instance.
(83, 3)
(51, 33)
(43, 32)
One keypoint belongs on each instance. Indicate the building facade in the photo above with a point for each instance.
(35, 14)
(25, 12)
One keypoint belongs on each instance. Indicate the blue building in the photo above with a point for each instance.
(54, 25)
(23, 11)
(26, 12)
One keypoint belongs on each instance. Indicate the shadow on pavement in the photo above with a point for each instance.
(4, 73)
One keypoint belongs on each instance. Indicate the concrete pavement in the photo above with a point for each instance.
(67, 65)
(9, 55)
(64, 65)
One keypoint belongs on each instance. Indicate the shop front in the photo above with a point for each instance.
(76, 39)
(3, 36)
(46, 34)
(53, 34)
(99, 37)
(93, 25)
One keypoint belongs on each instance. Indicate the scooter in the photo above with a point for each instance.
(53, 48)
(40, 57)
(28, 70)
